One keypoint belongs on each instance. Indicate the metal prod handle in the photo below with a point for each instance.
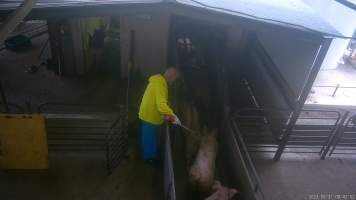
(186, 128)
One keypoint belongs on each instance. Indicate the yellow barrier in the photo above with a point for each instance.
(23, 142)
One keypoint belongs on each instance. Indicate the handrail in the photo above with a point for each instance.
(258, 185)
(333, 130)
(341, 131)
(43, 105)
(286, 110)
(337, 87)
(169, 181)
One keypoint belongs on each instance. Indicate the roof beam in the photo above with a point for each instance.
(347, 4)
(15, 18)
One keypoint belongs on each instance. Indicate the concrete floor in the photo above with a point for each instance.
(80, 176)
(303, 176)
(345, 76)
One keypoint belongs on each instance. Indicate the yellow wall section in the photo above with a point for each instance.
(23, 142)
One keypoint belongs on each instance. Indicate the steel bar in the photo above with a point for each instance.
(334, 135)
(258, 186)
(340, 133)
(336, 140)
(303, 96)
(302, 135)
(332, 131)
(43, 107)
(3, 98)
(336, 88)
(169, 181)
(88, 132)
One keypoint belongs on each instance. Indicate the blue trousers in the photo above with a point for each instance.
(149, 140)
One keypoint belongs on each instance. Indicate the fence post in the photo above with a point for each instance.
(335, 137)
(3, 99)
(336, 88)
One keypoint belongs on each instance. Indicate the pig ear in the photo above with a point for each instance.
(233, 192)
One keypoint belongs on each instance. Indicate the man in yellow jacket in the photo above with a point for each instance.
(154, 109)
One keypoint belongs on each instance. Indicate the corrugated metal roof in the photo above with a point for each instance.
(281, 11)
(284, 12)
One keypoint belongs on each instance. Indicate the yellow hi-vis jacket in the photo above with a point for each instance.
(154, 101)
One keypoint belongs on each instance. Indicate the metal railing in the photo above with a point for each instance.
(345, 140)
(315, 128)
(169, 181)
(60, 107)
(336, 88)
(312, 133)
(87, 128)
(254, 179)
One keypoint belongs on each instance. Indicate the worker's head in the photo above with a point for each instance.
(171, 74)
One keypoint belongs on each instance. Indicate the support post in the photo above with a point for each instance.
(319, 58)
(130, 69)
(334, 138)
(336, 88)
(55, 44)
(3, 99)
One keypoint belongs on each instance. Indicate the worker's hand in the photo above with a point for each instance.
(173, 119)
(169, 118)
(176, 121)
